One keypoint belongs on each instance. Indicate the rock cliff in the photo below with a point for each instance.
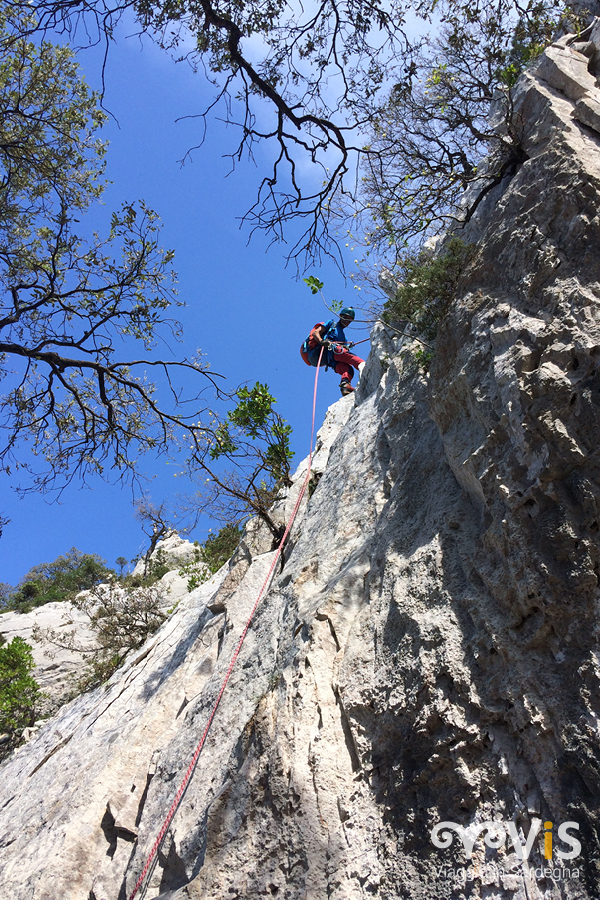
(57, 668)
(429, 651)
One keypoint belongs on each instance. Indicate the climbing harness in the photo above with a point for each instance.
(308, 347)
(152, 857)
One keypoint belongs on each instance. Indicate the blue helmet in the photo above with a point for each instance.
(347, 313)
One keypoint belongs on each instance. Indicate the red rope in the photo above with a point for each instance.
(194, 760)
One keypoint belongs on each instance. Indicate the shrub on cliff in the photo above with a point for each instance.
(60, 580)
(121, 617)
(211, 555)
(19, 691)
(219, 547)
(426, 287)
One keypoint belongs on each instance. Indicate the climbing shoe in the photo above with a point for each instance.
(346, 388)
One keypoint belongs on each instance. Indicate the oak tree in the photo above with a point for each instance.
(76, 390)
(309, 80)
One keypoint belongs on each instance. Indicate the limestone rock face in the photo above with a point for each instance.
(174, 551)
(57, 668)
(428, 652)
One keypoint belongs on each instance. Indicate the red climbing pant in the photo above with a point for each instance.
(344, 360)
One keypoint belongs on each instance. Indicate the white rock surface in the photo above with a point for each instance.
(174, 550)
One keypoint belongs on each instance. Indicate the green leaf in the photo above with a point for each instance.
(314, 284)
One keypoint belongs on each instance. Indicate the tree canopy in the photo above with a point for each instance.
(394, 123)
(452, 109)
(59, 580)
(310, 80)
(73, 309)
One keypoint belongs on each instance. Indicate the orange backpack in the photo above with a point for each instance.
(309, 344)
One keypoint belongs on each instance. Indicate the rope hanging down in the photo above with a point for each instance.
(151, 860)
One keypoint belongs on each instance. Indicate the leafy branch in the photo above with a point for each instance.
(255, 441)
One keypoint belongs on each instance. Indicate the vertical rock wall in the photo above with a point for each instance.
(429, 652)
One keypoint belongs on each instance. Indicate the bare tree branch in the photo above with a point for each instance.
(69, 305)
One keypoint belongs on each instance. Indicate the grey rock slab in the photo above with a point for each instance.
(587, 110)
(91, 795)
(566, 70)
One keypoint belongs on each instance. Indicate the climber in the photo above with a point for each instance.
(336, 354)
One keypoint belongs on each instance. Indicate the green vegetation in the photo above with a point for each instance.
(158, 566)
(19, 692)
(424, 357)
(426, 288)
(254, 418)
(219, 547)
(525, 49)
(211, 555)
(314, 284)
(60, 580)
(255, 441)
(195, 571)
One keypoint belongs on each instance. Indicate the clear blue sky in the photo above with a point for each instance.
(245, 310)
